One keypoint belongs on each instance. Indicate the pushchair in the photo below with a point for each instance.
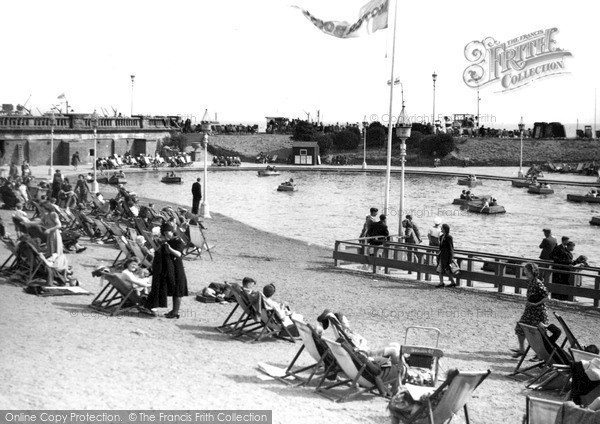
(421, 357)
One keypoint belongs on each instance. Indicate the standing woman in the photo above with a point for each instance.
(81, 189)
(51, 225)
(168, 275)
(446, 256)
(535, 309)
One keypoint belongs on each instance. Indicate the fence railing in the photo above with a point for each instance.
(498, 271)
(81, 122)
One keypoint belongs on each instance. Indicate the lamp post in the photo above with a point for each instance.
(521, 128)
(403, 132)
(132, 78)
(94, 123)
(434, 77)
(204, 209)
(52, 124)
(478, 99)
(364, 124)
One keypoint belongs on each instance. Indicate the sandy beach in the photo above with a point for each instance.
(58, 353)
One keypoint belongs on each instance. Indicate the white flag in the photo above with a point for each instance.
(373, 14)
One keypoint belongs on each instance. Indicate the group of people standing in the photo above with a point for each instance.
(562, 256)
(376, 233)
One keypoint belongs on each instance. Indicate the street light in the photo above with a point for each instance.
(403, 132)
(521, 128)
(434, 77)
(52, 124)
(478, 99)
(364, 125)
(204, 209)
(94, 123)
(132, 78)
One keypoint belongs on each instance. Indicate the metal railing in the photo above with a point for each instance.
(497, 271)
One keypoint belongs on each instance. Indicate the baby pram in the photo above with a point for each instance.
(421, 356)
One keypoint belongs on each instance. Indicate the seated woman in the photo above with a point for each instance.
(493, 202)
(136, 276)
(391, 351)
(282, 310)
(463, 195)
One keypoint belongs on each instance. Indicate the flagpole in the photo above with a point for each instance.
(389, 143)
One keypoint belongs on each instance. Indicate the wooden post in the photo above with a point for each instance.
(470, 268)
(335, 250)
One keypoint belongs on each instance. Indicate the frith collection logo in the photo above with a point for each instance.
(516, 62)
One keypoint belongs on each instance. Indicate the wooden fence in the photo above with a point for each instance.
(499, 271)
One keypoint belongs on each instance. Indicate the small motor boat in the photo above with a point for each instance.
(477, 206)
(595, 220)
(171, 179)
(267, 173)
(287, 187)
(117, 179)
(540, 189)
(582, 198)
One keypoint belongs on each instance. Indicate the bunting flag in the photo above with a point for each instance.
(373, 16)
(62, 96)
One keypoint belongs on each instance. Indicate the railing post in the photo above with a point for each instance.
(469, 268)
(597, 288)
(518, 272)
(499, 274)
(375, 253)
(336, 249)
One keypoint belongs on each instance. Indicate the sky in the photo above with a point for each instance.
(245, 60)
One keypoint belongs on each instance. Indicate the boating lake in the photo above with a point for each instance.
(331, 206)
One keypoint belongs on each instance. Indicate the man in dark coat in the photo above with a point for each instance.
(563, 258)
(196, 196)
(379, 230)
(547, 245)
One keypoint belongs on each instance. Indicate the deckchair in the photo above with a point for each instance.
(198, 242)
(540, 344)
(117, 296)
(145, 260)
(541, 411)
(114, 231)
(318, 351)
(123, 250)
(453, 395)
(569, 336)
(10, 262)
(33, 263)
(247, 316)
(271, 325)
(363, 375)
(591, 392)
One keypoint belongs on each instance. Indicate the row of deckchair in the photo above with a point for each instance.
(361, 374)
(252, 319)
(554, 363)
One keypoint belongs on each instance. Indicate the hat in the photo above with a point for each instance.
(374, 210)
(166, 227)
(437, 220)
(323, 318)
(547, 230)
(269, 290)
(248, 280)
